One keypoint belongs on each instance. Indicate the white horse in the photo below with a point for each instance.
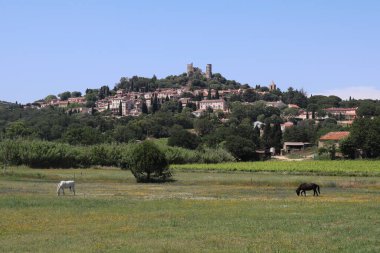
(65, 184)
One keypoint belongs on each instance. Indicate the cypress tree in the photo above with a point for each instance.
(144, 108)
(120, 109)
(217, 94)
(180, 107)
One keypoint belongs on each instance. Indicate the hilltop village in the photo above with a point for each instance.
(199, 110)
(129, 102)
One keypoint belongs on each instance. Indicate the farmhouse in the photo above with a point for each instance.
(332, 138)
(290, 146)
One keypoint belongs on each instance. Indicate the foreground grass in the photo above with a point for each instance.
(344, 167)
(200, 212)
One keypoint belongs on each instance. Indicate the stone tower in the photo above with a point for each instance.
(208, 71)
(272, 86)
(190, 70)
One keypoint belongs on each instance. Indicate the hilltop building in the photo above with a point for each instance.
(272, 86)
(208, 71)
(190, 70)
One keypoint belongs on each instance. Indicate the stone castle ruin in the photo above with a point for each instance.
(191, 70)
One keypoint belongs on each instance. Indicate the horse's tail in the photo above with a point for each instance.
(319, 191)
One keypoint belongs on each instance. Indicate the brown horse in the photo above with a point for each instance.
(308, 187)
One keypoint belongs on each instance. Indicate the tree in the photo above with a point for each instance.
(85, 135)
(155, 104)
(182, 138)
(50, 98)
(76, 94)
(104, 92)
(180, 107)
(123, 134)
(241, 148)
(144, 108)
(347, 147)
(203, 126)
(120, 109)
(91, 98)
(267, 135)
(147, 162)
(312, 108)
(17, 129)
(209, 93)
(332, 152)
(365, 135)
(276, 137)
(65, 95)
(217, 96)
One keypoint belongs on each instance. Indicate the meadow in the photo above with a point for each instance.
(201, 211)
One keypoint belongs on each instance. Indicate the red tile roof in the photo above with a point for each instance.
(335, 136)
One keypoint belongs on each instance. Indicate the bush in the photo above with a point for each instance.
(148, 163)
(218, 155)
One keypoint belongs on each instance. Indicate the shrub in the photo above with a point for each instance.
(148, 163)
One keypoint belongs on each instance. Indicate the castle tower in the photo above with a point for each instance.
(190, 70)
(208, 71)
(272, 86)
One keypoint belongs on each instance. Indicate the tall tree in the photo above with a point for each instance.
(120, 109)
(267, 135)
(144, 108)
(276, 137)
(155, 104)
(217, 94)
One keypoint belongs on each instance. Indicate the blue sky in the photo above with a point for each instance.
(322, 46)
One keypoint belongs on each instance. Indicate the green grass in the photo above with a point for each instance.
(343, 167)
(202, 211)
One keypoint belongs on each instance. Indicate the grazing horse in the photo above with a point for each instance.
(65, 184)
(307, 187)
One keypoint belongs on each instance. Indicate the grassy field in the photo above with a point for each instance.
(345, 167)
(202, 211)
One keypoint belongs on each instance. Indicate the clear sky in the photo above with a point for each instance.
(322, 46)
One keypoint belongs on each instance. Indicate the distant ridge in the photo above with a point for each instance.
(5, 103)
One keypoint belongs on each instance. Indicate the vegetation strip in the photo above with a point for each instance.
(363, 167)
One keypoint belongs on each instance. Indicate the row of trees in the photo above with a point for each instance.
(44, 154)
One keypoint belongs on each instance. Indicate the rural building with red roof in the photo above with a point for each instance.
(332, 138)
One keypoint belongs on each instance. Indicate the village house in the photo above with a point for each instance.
(77, 100)
(102, 105)
(215, 104)
(131, 107)
(332, 138)
(63, 104)
(342, 114)
(277, 104)
(286, 125)
(184, 101)
(115, 103)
